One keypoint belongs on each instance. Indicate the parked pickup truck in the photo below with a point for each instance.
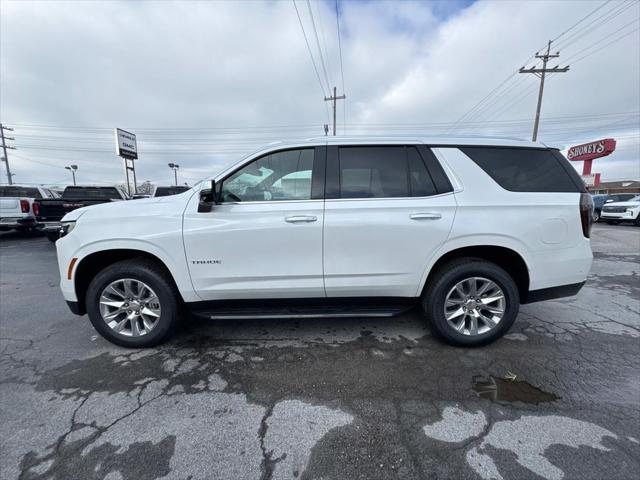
(51, 211)
(17, 211)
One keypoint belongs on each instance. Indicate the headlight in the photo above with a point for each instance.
(67, 227)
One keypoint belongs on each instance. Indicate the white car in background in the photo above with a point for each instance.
(17, 209)
(628, 211)
(465, 229)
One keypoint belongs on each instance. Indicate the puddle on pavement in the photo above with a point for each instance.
(501, 390)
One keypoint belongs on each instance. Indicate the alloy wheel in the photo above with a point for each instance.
(474, 306)
(130, 307)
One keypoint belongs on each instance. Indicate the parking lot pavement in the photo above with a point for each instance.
(323, 399)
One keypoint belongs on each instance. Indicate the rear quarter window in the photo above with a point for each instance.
(527, 169)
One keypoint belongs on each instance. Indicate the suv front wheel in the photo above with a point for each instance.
(472, 302)
(133, 303)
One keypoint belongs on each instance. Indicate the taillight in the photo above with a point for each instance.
(24, 206)
(36, 209)
(586, 213)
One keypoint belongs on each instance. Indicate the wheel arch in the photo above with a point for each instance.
(506, 258)
(90, 265)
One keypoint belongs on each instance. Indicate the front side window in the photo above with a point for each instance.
(278, 176)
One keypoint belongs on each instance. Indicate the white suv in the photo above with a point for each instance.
(616, 212)
(466, 229)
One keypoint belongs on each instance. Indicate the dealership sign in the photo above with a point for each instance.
(589, 151)
(126, 146)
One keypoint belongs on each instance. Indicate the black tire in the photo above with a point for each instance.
(156, 278)
(613, 222)
(596, 216)
(52, 237)
(636, 222)
(447, 277)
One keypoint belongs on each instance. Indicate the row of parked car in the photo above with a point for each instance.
(616, 208)
(27, 208)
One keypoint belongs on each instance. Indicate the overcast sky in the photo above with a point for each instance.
(204, 83)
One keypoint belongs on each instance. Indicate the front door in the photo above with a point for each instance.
(386, 213)
(264, 238)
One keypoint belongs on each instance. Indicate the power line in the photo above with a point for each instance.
(581, 20)
(306, 41)
(315, 32)
(603, 46)
(600, 21)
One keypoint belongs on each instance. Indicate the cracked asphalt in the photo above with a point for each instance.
(331, 399)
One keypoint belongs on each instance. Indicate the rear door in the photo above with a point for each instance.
(264, 239)
(388, 208)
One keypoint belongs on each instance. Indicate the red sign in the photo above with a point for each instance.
(589, 151)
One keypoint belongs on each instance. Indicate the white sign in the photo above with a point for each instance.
(591, 180)
(126, 145)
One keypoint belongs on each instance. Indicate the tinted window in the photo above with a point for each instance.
(420, 181)
(91, 193)
(166, 191)
(526, 170)
(278, 176)
(373, 172)
(20, 192)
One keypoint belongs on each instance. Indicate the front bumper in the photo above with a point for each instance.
(618, 216)
(75, 308)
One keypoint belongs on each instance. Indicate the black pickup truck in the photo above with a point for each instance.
(51, 211)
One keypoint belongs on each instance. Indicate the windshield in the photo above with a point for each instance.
(635, 199)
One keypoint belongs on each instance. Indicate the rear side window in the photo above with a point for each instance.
(27, 192)
(383, 172)
(420, 182)
(373, 172)
(527, 169)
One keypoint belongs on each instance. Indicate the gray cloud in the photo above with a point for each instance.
(150, 66)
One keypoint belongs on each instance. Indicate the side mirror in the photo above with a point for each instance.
(208, 198)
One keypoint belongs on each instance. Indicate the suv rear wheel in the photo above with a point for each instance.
(471, 302)
(132, 303)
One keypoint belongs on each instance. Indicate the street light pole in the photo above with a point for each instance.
(174, 167)
(73, 169)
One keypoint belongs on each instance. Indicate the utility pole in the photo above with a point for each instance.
(540, 72)
(333, 99)
(5, 159)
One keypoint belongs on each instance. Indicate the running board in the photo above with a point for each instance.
(272, 310)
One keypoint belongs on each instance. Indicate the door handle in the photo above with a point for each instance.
(301, 219)
(425, 216)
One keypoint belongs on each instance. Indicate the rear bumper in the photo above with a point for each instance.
(552, 292)
(51, 227)
(17, 222)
